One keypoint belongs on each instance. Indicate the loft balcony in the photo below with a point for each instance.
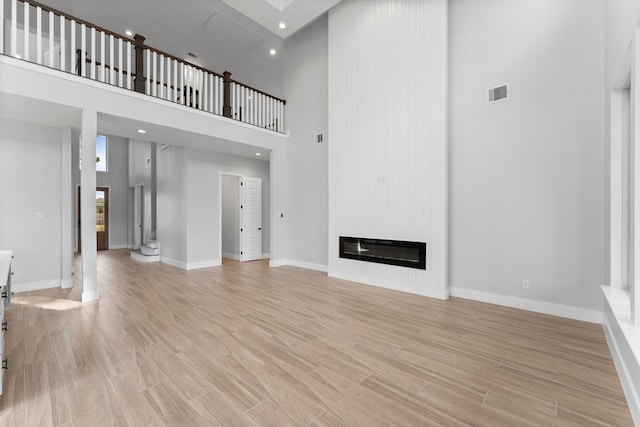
(40, 35)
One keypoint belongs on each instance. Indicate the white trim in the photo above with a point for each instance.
(203, 264)
(624, 343)
(308, 265)
(266, 255)
(442, 294)
(35, 286)
(570, 312)
(90, 296)
(277, 263)
(231, 256)
(66, 284)
(124, 246)
(173, 262)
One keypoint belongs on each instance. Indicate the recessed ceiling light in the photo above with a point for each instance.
(272, 51)
(17, 56)
(142, 131)
(258, 154)
(129, 33)
(282, 26)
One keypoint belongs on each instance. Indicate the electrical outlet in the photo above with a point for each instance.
(525, 284)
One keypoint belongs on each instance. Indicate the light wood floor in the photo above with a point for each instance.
(246, 345)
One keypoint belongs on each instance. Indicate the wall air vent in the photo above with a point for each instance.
(498, 93)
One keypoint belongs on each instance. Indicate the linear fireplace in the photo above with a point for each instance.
(394, 252)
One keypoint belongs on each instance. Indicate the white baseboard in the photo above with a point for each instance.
(90, 296)
(442, 294)
(231, 256)
(66, 284)
(266, 255)
(570, 312)
(35, 286)
(173, 262)
(623, 338)
(125, 246)
(308, 265)
(203, 264)
(277, 262)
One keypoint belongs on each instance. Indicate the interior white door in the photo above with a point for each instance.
(251, 214)
(138, 215)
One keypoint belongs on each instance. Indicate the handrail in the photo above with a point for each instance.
(129, 63)
(78, 20)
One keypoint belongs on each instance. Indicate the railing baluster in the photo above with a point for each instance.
(205, 95)
(112, 65)
(129, 73)
(63, 43)
(72, 49)
(25, 38)
(102, 68)
(162, 91)
(93, 53)
(83, 50)
(147, 85)
(175, 81)
(14, 27)
(120, 64)
(187, 86)
(216, 95)
(154, 75)
(281, 122)
(52, 36)
(169, 96)
(182, 94)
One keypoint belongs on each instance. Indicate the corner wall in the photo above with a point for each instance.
(31, 191)
(306, 91)
(527, 173)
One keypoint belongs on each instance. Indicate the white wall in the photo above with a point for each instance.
(189, 203)
(231, 216)
(306, 91)
(387, 136)
(116, 179)
(140, 172)
(527, 174)
(203, 202)
(30, 201)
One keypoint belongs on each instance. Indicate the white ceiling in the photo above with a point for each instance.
(270, 13)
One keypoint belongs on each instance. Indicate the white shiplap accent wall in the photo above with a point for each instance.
(388, 136)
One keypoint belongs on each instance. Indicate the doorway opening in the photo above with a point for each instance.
(101, 219)
(240, 217)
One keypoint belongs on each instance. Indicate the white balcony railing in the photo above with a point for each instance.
(39, 34)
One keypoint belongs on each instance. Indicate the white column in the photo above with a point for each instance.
(66, 236)
(88, 206)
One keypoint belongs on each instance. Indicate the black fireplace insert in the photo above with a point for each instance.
(384, 251)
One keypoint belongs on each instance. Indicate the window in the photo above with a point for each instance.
(101, 153)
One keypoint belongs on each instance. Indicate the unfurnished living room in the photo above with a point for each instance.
(319, 212)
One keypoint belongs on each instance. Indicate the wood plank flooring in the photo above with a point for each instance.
(249, 345)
